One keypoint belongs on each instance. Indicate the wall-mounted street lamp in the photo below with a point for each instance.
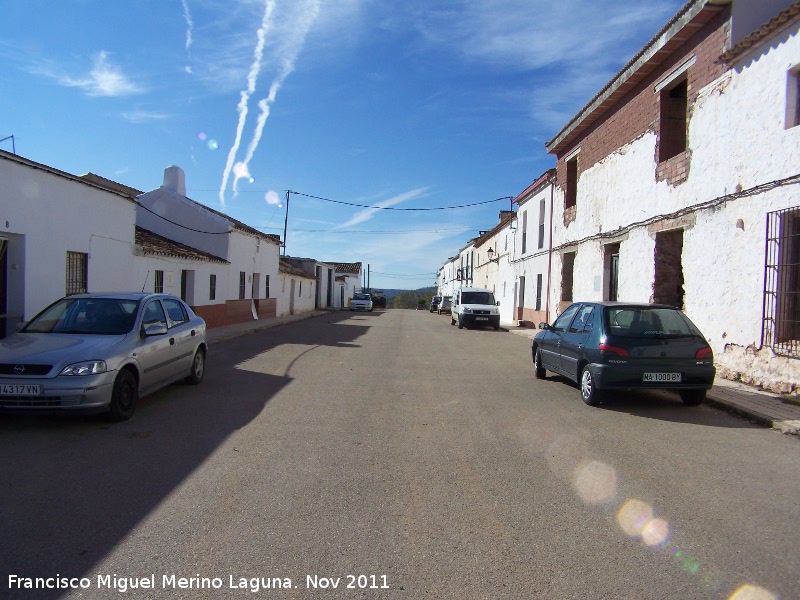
(490, 252)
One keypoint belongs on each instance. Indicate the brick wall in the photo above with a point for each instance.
(639, 111)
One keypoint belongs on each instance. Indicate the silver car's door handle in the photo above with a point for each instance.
(171, 341)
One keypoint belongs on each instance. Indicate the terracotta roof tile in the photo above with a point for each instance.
(777, 24)
(156, 245)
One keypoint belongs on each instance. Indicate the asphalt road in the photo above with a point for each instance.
(406, 458)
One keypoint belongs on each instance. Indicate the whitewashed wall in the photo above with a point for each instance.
(44, 214)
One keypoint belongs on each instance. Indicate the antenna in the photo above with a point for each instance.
(145, 280)
(13, 145)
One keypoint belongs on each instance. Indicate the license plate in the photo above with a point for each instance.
(20, 389)
(661, 377)
(481, 318)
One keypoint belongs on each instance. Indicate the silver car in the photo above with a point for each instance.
(101, 352)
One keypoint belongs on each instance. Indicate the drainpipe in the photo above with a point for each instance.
(549, 257)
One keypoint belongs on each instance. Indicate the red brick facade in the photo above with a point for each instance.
(236, 311)
(638, 112)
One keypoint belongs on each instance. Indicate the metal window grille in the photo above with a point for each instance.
(541, 224)
(781, 312)
(77, 263)
(267, 290)
(539, 291)
(241, 285)
(158, 284)
(212, 287)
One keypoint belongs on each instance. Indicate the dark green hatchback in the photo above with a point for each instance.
(626, 346)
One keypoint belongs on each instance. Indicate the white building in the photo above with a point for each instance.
(59, 234)
(678, 183)
(493, 255)
(298, 289)
(324, 276)
(531, 263)
(347, 281)
(222, 293)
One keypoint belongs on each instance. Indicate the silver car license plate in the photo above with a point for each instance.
(481, 318)
(661, 377)
(20, 389)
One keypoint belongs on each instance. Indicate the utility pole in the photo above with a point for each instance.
(286, 221)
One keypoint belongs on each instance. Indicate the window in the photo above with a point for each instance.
(153, 313)
(266, 291)
(158, 282)
(583, 322)
(242, 281)
(77, 263)
(562, 322)
(673, 121)
(212, 287)
(571, 193)
(793, 99)
(300, 289)
(524, 231)
(541, 225)
(781, 319)
(177, 314)
(539, 292)
(567, 268)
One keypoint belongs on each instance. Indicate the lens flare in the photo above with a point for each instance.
(633, 516)
(752, 592)
(201, 135)
(655, 532)
(595, 482)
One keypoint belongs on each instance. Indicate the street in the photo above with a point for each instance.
(390, 455)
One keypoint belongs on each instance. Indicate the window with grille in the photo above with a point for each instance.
(267, 290)
(541, 225)
(242, 283)
(77, 263)
(781, 313)
(212, 287)
(158, 285)
(539, 291)
(524, 232)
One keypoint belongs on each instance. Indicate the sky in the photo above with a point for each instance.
(376, 116)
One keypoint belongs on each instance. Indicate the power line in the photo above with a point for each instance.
(395, 208)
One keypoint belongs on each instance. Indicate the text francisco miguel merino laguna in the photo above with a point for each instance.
(173, 582)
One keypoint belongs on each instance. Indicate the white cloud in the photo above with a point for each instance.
(142, 116)
(368, 213)
(104, 79)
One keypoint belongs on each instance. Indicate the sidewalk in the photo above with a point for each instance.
(750, 402)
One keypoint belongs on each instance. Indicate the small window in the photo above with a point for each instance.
(541, 225)
(793, 99)
(153, 313)
(266, 291)
(562, 322)
(177, 313)
(77, 263)
(158, 282)
(539, 291)
(583, 322)
(212, 287)
(571, 193)
(673, 121)
(242, 282)
(524, 231)
(567, 268)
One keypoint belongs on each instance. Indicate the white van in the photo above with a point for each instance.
(474, 306)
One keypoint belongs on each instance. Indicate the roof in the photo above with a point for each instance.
(784, 19)
(276, 239)
(113, 186)
(489, 234)
(546, 177)
(157, 245)
(40, 167)
(672, 36)
(347, 267)
(287, 268)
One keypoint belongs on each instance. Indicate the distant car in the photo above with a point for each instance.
(361, 302)
(445, 306)
(625, 346)
(420, 307)
(435, 303)
(101, 352)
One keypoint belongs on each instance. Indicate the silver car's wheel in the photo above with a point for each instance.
(589, 393)
(198, 368)
(123, 397)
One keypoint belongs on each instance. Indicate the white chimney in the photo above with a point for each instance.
(175, 179)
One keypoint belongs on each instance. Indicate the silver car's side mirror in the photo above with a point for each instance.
(154, 329)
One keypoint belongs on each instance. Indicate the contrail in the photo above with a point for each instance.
(187, 16)
(265, 104)
(252, 79)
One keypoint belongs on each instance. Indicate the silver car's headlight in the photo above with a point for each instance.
(89, 367)
(467, 310)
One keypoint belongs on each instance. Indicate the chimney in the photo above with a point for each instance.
(175, 179)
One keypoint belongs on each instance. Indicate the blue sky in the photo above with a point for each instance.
(400, 105)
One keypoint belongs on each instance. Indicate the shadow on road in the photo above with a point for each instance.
(72, 488)
(657, 404)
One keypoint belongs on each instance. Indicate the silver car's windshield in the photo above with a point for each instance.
(100, 316)
(648, 322)
(361, 297)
